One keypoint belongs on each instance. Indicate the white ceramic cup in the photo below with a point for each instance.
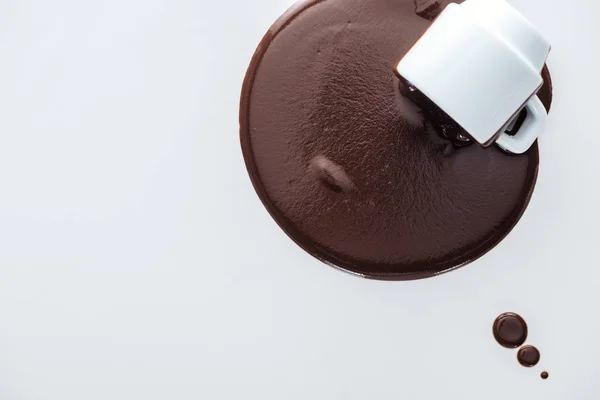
(481, 62)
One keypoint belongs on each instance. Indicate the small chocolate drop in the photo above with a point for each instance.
(545, 375)
(510, 330)
(528, 356)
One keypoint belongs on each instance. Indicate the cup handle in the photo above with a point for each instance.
(530, 130)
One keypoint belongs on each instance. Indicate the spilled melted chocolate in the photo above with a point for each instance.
(510, 330)
(355, 172)
(528, 356)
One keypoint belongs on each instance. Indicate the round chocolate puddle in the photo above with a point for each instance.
(510, 330)
(528, 356)
(353, 171)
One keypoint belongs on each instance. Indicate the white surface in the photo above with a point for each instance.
(138, 263)
(480, 62)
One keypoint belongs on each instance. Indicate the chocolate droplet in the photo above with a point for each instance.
(545, 375)
(528, 356)
(510, 330)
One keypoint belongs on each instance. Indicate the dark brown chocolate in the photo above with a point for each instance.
(528, 356)
(510, 330)
(352, 170)
(429, 9)
(544, 375)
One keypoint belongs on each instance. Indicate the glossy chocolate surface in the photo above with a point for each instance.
(355, 172)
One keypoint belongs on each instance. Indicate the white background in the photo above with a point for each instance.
(136, 261)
